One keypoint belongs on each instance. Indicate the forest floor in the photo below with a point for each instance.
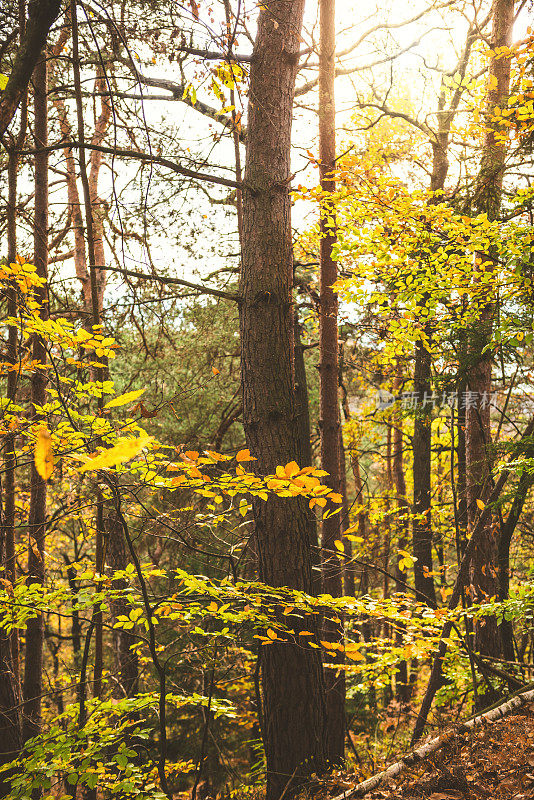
(491, 761)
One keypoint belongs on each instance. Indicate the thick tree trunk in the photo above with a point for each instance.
(292, 679)
(33, 665)
(485, 564)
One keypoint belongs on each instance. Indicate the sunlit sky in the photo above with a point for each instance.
(207, 239)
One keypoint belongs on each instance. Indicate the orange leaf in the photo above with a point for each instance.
(244, 455)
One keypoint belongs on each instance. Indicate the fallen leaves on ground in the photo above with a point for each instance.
(492, 762)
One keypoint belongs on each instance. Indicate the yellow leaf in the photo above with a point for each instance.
(123, 399)
(271, 634)
(244, 455)
(44, 455)
(3, 82)
(352, 651)
(335, 497)
(124, 450)
(338, 544)
(480, 504)
(213, 606)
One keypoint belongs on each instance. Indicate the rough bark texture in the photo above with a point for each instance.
(41, 16)
(33, 665)
(484, 569)
(292, 680)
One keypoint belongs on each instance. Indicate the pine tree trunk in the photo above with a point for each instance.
(328, 371)
(292, 679)
(488, 191)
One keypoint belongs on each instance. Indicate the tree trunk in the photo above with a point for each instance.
(33, 665)
(422, 452)
(292, 679)
(402, 520)
(305, 449)
(328, 371)
(488, 191)
(41, 16)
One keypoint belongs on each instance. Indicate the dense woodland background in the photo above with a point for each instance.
(267, 412)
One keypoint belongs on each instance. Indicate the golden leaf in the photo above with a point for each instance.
(123, 399)
(124, 450)
(44, 455)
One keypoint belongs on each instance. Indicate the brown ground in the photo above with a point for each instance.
(494, 762)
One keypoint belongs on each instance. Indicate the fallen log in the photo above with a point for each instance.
(494, 713)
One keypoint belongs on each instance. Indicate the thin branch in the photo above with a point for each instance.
(177, 281)
(140, 156)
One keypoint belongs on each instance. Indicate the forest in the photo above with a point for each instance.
(267, 399)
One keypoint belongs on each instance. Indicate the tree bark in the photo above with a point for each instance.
(328, 371)
(292, 679)
(33, 665)
(488, 191)
(41, 16)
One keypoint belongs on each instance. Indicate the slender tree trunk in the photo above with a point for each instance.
(422, 438)
(305, 450)
(403, 512)
(328, 371)
(292, 679)
(461, 481)
(33, 665)
(126, 660)
(422, 468)
(485, 563)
